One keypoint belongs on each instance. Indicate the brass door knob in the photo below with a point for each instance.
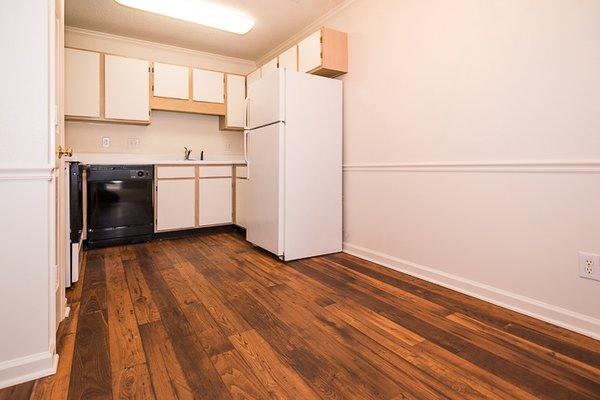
(67, 151)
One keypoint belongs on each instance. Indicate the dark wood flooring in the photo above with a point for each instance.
(211, 317)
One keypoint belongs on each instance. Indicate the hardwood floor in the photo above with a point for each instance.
(211, 317)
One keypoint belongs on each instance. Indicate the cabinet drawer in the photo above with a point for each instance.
(219, 171)
(175, 172)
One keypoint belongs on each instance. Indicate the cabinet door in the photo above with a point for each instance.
(82, 83)
(236, 96)
(126, 86)
(175, 204)
(215, 201)
(269, 67)
(289, 59)
(208, 86)
(253, 76)
(171, 81)
(240, 202)
(309, 52)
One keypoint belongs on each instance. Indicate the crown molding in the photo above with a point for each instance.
(305, 32)
(124, 39)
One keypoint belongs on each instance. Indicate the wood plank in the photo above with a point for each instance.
(17, 392)
(168, 379)
(93, 297)
(130, 377)
(143, 304)
(90, 372)
(124, 338)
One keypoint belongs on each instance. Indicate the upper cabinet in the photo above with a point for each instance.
(289, 59)
(126, 89)
(171, 81)
(188, 90)
(269, 67)
(324, 53)
(208, 86)
(82, 83)
(106, 88)
(253, 76)
(235, 118)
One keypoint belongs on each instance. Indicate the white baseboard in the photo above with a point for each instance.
(576, 322)
(13, 372)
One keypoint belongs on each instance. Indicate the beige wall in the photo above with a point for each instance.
(168, 132)
(510, 89)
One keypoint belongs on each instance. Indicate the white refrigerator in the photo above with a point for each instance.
(294, 153)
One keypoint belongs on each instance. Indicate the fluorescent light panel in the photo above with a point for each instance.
(196, 11)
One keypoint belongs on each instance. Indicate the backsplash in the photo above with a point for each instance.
(168, 133)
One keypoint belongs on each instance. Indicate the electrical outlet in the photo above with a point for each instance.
(589, 266)
(105, 141)
(133, 143)
(227, 147)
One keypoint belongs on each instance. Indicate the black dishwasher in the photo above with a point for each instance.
(120, 207)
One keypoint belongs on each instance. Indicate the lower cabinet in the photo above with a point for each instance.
(175, 204)
(193, 196)
(240, 201)
(215, 201)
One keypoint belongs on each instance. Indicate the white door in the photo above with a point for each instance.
(236, 98)
(269, 67)
(265, 100)
(176, 204)
(309, 52)
(82, 83)
(208, 86)
(289, 59)
(126, 85)
(265, 188)
(215, 201)
(171, 81)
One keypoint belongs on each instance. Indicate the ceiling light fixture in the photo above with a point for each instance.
(196, 11)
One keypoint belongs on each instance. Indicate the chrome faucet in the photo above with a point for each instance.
(187, 153)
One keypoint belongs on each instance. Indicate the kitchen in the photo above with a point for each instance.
(299, 199)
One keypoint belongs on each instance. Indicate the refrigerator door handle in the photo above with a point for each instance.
(246, 131)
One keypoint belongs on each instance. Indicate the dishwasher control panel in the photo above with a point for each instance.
(120, 172)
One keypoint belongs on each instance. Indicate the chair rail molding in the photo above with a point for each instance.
(527, 166)
(41, 172)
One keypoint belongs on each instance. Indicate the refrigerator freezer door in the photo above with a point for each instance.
(265, 100)
(265, 188)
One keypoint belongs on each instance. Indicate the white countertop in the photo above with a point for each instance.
(156, 159)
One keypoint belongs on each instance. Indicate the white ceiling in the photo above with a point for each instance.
(276, 21)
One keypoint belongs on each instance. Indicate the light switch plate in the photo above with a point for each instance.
(105, 142)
